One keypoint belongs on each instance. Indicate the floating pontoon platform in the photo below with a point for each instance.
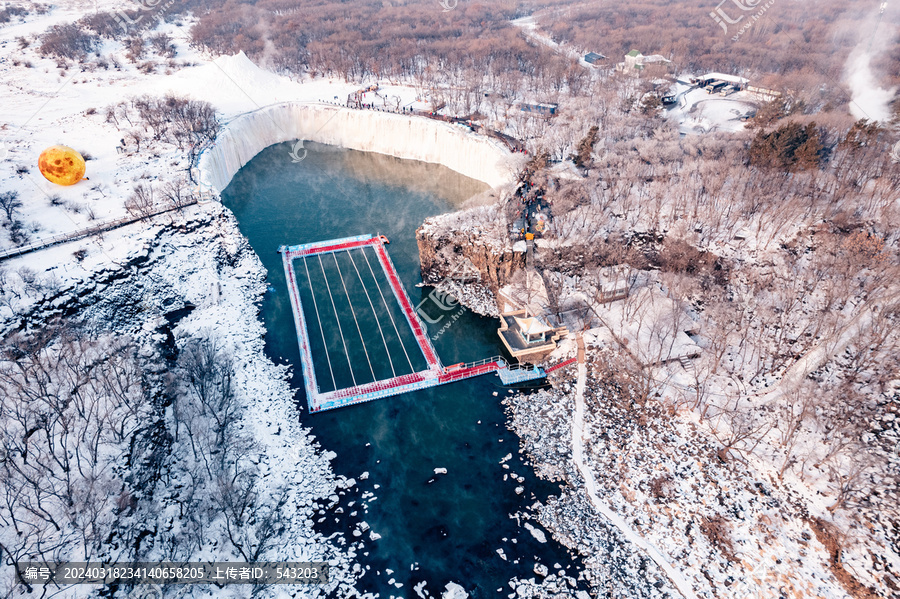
(434, 372)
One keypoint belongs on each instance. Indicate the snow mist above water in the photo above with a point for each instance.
(869, 99)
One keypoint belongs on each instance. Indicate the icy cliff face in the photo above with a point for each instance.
(409, 137)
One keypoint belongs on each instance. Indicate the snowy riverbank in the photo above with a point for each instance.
(728, 521)
(164, 284)
(732, 535)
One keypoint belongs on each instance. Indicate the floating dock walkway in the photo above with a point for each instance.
(432, 375)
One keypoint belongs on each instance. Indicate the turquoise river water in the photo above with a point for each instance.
(434, 528)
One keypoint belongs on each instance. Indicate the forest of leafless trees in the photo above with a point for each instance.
(794, 47)
(473, 49)
(473, 61)
(791, 46)
(777, 247)
(108, 454)
(182, 122)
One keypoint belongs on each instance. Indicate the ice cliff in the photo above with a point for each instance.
(401, 136)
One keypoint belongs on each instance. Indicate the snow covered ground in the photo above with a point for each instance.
(591, 486)
(739, 519)
(697, 111)
(661, 484)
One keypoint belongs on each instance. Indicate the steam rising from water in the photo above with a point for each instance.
(870, 100)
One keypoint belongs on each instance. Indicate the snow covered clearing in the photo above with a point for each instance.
(697, 111)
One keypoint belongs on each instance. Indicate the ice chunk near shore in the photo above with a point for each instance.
(454, 591)
(536, 533)
(420, 590)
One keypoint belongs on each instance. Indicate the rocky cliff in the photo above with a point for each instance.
(468, 254)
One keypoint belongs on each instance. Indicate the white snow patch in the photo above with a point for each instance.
(578, 456)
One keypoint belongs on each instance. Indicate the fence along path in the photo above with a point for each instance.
(96, 229)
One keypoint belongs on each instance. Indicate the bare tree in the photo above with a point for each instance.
(178, 193)
(9, 203)
(135, 45)
(799, 405)
(141, 202)
(68, 41)
(554, 287)
(739, 428)
(71, 404)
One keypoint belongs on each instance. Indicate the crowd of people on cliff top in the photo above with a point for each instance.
(534, 208)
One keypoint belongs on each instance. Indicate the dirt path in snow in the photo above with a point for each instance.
(590, 483)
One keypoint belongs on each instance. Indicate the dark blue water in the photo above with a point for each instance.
(434, 528)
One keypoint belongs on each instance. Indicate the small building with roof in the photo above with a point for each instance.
(738, 83)
(635, 61)
(525, 328)
(528, 338)
(543, 109)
